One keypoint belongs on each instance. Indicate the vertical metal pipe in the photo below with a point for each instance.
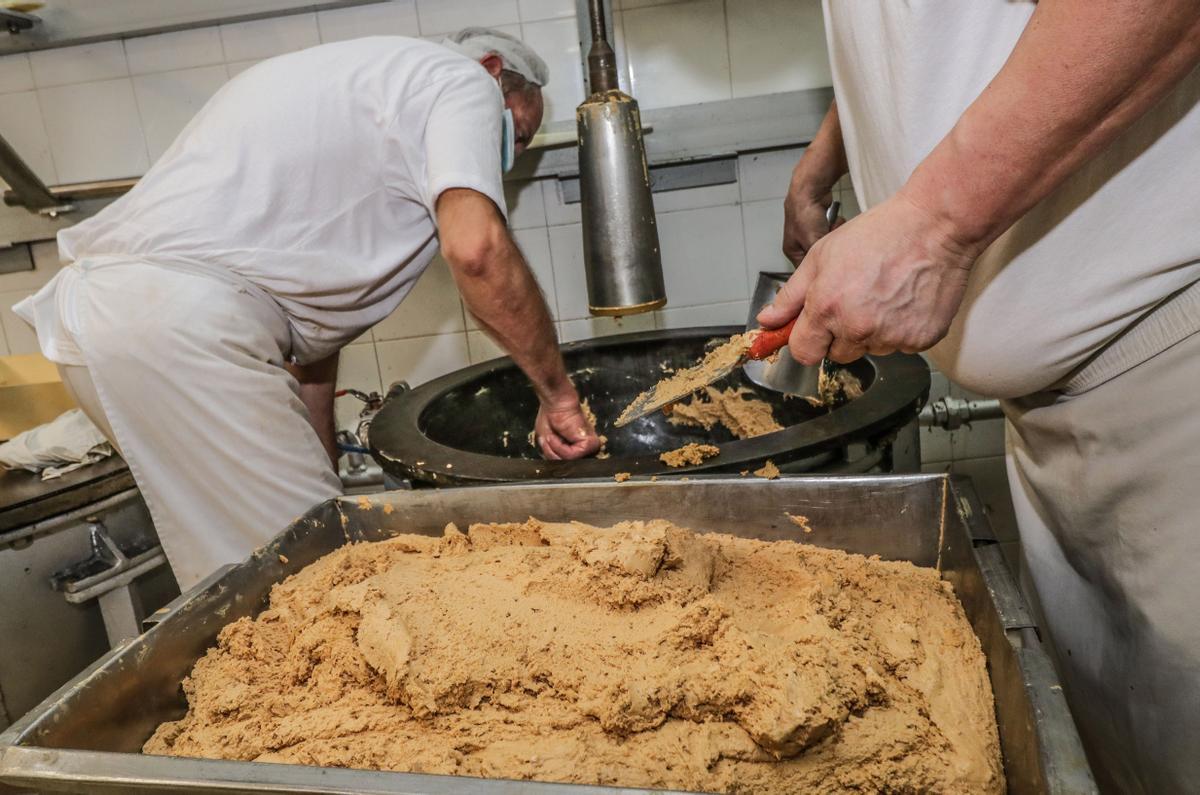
(620, 238)
(602, 61)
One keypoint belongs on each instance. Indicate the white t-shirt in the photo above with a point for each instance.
(314, 176)
(1095, 258)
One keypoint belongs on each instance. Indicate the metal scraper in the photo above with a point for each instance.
(720, 362)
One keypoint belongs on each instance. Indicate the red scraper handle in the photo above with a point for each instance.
(769, 341)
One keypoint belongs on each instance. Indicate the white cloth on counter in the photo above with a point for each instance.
(64, 444)
(314, 176)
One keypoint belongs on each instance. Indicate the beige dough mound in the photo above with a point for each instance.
(639, 655)
(745, 417)
(689, 455)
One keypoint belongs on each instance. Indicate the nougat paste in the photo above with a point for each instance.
(639, 654)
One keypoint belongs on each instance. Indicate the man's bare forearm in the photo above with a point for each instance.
(316, 392)
(500, 291)
(507, 303)
(1081, 73)
(824, 160)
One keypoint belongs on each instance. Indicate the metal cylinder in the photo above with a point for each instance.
(620, 236)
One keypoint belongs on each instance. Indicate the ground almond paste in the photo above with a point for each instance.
(638, 655)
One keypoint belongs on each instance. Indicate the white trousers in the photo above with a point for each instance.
(184, 375)
(1106, 486)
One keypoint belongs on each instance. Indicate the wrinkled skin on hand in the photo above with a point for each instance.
(889, 280)
(563, 431)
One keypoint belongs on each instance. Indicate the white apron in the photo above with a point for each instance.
(186, 362)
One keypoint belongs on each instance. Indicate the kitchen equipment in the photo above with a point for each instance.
(620, 238)
(783, 374)
(46, 528)
(85, 738)
(756, 346)
(472, 426)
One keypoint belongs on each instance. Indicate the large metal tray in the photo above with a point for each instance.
(85, 738)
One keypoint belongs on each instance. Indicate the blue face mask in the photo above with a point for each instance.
(508, 142)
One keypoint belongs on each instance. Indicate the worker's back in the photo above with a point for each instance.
(314, 175)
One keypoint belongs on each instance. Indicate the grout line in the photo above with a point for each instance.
(728, 44)
(137, 104)
(54, 180)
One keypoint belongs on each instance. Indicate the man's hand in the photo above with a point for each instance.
(811, 190)
(889, 280)
(563, 430)
(805, 220)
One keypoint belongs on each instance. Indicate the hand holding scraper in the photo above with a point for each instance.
(720, 362)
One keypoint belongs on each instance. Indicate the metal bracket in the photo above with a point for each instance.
(17, 21)
(671, 176)
(107, 575)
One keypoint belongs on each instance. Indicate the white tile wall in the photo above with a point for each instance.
(678, 54)
(762, 223)
(89, 62)
(557, 41)
(777, 45)
(570, 285)
(15, 74)
(432, 307)
(558, 212)
(19, 336)
(526, 207)
(168, 101)
(21, 125)
(235, 68)
(446, 16)
(391, 18)
(693, 198)
(703, 255)
(263, 38)
(732, 313)
(587, 328)
(765, 175)
(94, 130)
(166, 52)
(481, 348)
(532, 10)
(419, 359)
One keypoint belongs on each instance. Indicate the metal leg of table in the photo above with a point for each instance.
(123, 613)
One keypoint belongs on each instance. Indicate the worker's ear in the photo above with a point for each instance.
(493, 63)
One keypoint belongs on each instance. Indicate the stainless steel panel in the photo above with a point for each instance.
(44, 640)
(85, 737)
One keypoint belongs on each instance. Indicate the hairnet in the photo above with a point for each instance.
(517, 56)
